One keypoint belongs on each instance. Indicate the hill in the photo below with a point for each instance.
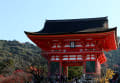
(16, 55)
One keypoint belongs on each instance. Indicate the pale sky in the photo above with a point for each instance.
(17, 16)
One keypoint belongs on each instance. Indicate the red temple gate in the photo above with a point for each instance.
(78, 47)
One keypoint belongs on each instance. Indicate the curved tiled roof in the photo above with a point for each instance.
(73, 25)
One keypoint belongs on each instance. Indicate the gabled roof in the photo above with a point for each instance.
(73, 25)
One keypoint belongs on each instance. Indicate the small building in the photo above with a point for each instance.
(75, 42)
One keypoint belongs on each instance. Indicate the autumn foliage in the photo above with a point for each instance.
(18, 76)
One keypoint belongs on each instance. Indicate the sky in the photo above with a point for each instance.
(17, 16)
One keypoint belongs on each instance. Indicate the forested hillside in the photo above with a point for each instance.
(16, 55)
(113, 58)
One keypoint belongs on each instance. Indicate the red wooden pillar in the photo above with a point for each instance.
(65, 70)
(98, 68)
(84, 63)
(84, 67)
(60, 67)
